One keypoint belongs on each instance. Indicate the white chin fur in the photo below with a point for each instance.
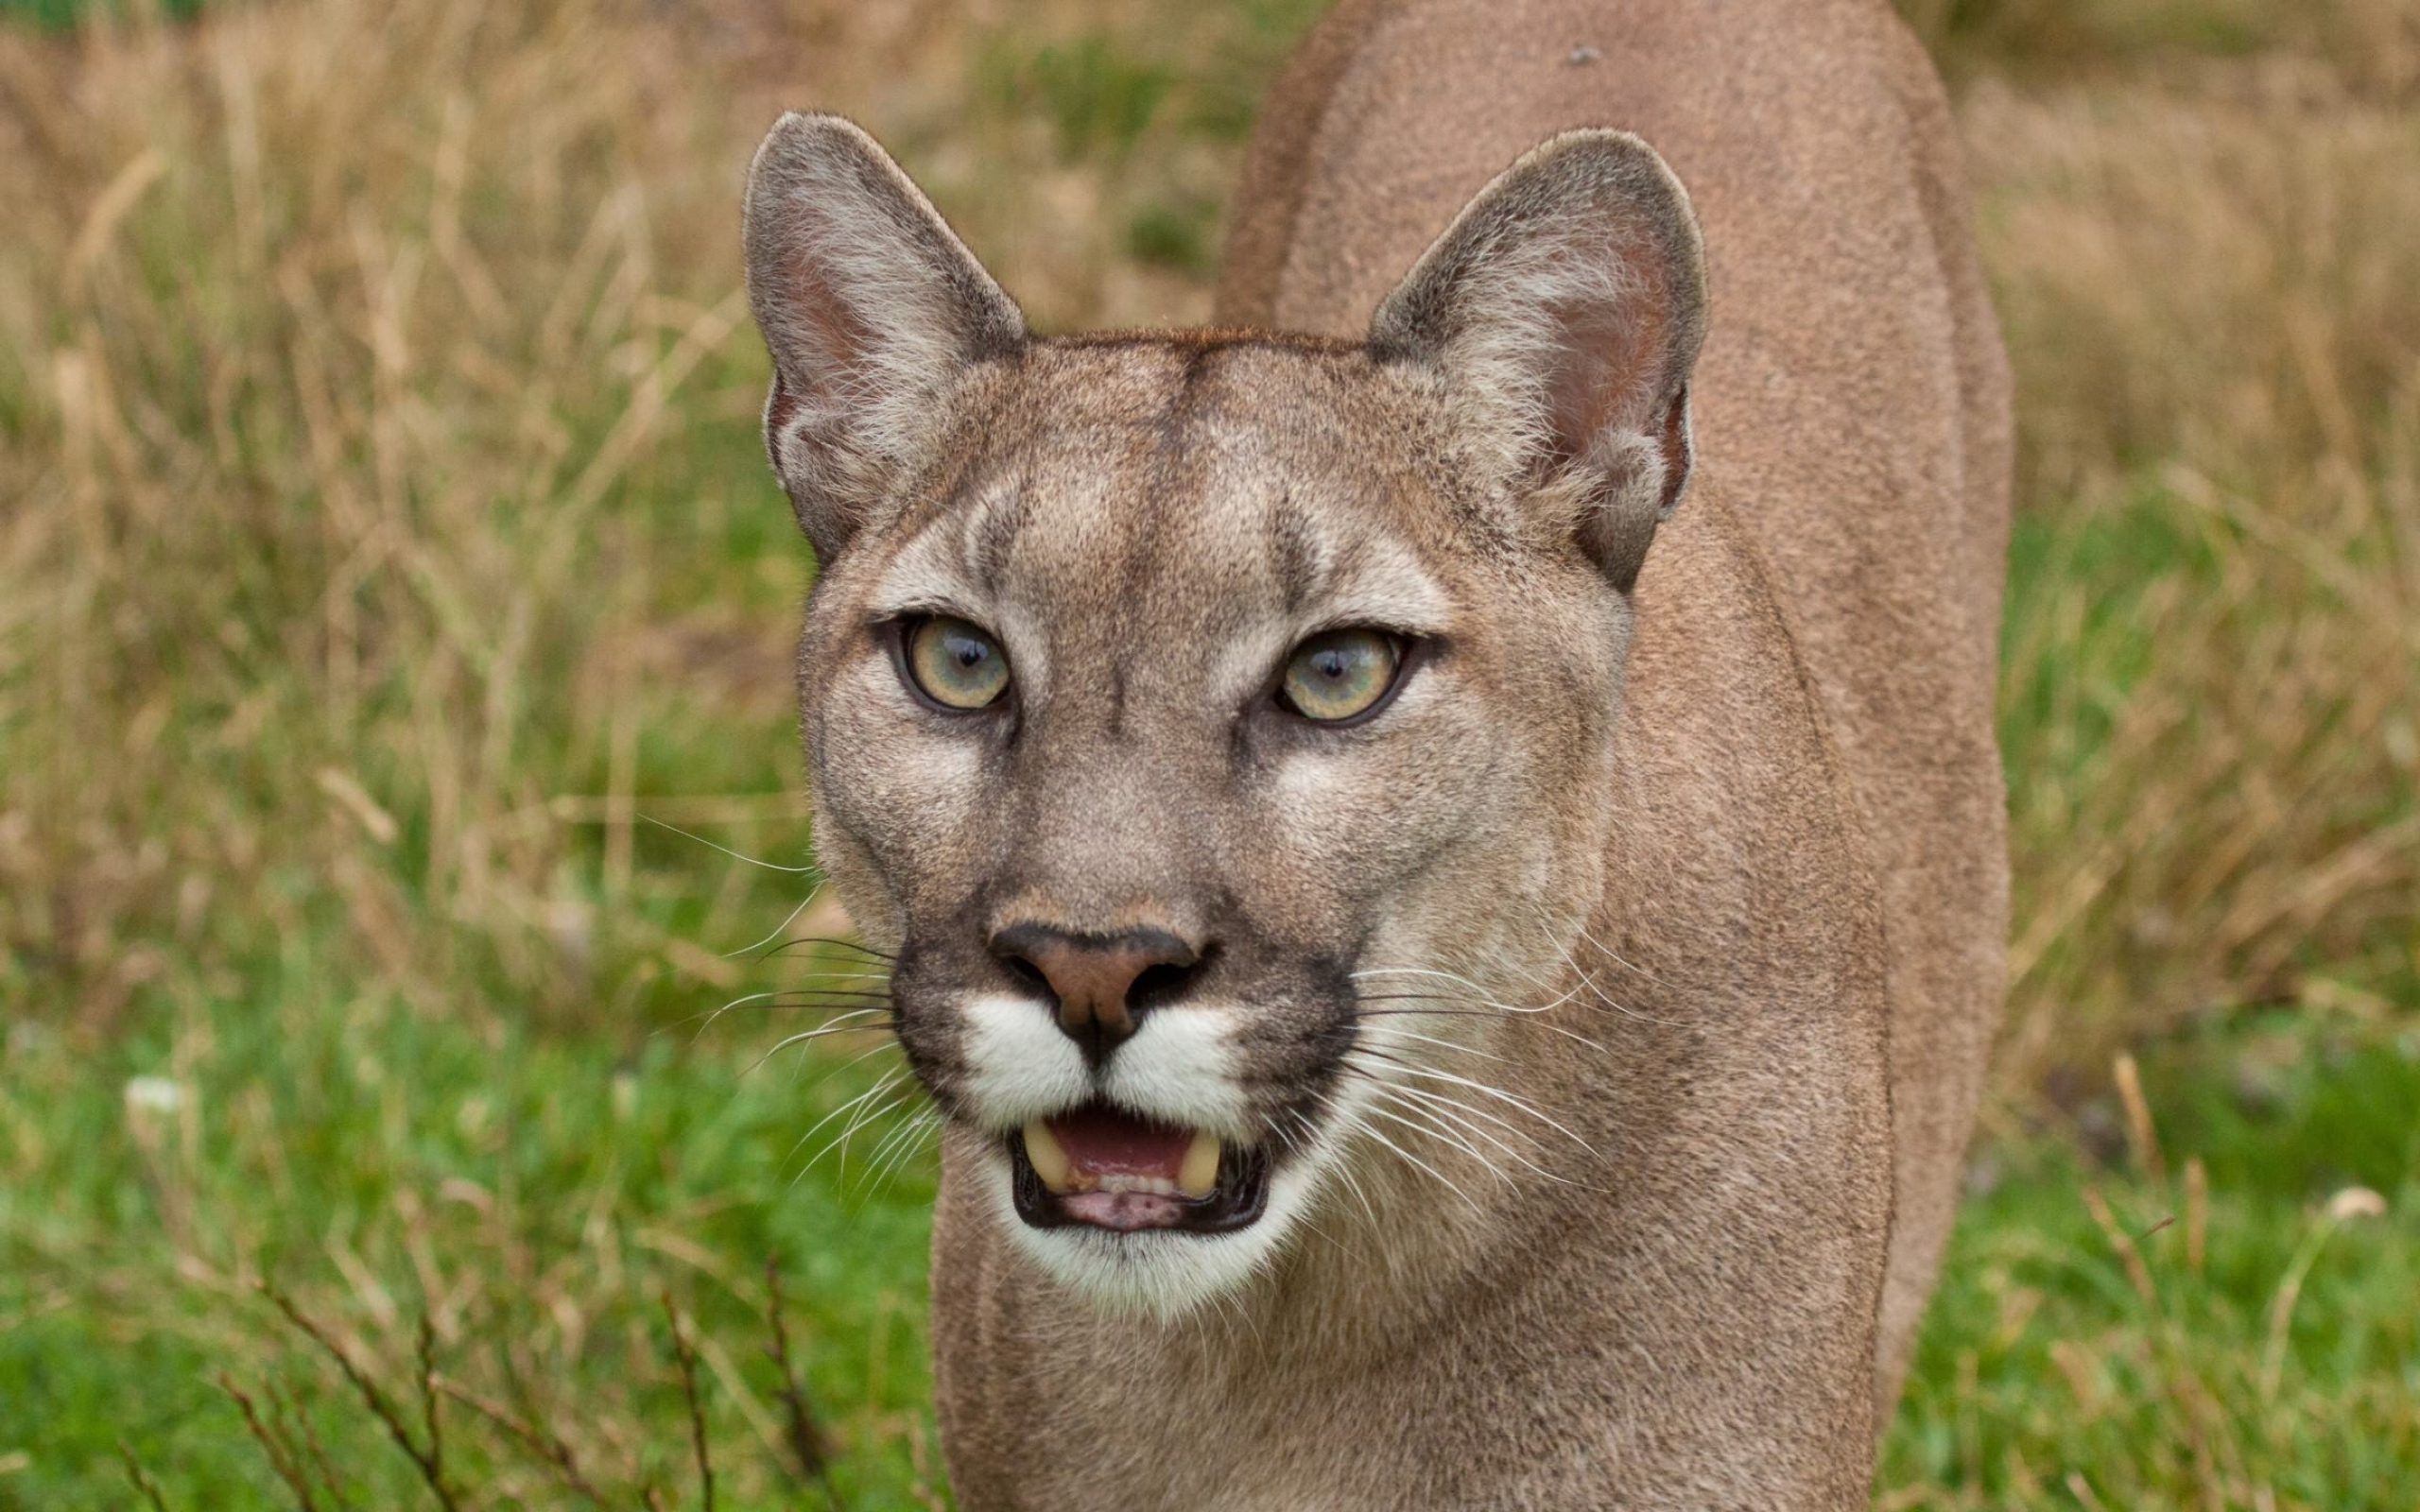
(1162, 1274)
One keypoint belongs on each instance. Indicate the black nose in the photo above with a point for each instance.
(1103, 983)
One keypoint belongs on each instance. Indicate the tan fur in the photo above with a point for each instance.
(1855, 378)
(1572, 991)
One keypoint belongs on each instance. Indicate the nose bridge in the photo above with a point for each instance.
(1107, 844)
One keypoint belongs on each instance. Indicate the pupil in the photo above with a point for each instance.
(1331, 664)
(970, 653)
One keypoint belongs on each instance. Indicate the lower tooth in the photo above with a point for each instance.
(1199, 1175)
(1050, 1163)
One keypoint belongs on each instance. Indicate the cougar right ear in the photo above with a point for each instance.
(871, 308)
(1565, 305)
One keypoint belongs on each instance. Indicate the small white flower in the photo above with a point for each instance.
(2356, 1202)
(154, 1094)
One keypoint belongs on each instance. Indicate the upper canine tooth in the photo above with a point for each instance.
(1049, 1162)
(1199, 1175)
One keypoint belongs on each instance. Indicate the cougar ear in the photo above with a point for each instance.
(1565, 305)
(872, 307)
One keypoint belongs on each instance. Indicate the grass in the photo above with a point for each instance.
(384, 542)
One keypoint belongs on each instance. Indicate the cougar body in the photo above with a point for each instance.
(1587, 1025)
(1853, 389)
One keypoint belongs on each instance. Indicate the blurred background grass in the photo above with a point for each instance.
(388, 577)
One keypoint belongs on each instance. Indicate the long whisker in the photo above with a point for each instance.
(782, 928)
(1412, 1160)
(864, 1118)
(787, 997)
(922, 1129)
(853, 1061)
(1464, 1109)
(1434, 1129)
(1617, 960)
(896, 1147)
(735, 855)
(1479, 992)
(830, 1027)
(1342, 1168)
(890, 1080)
(836, 975)
(1482, 1089)
(828, 942)
(1394, 1036)
(1590, 982)
(771, 996)
(1486, 1011)
(1461, 1115)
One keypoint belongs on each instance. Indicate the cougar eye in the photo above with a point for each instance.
(1333, 676)
(954, 664)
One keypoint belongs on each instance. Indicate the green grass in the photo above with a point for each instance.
(534, 1193)
(2049, 1361)
(60, 15)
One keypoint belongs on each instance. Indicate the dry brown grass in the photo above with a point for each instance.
(335, 336)
(2214, 649)
(376, 392)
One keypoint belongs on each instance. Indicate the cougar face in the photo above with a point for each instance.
(1197, 719)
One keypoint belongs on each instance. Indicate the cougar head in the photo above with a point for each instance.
(1210, 724)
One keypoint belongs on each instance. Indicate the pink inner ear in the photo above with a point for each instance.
(831, 338)
(1607, 371)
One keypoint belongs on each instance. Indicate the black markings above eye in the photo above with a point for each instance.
(1333, 676)
(955, 662)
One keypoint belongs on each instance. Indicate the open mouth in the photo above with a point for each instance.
(1105, 1167)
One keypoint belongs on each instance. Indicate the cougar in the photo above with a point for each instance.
(1440, 847)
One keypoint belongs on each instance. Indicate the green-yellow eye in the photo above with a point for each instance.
(1341, 674)
(955, 664)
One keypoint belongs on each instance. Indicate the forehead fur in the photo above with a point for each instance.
(1104, 478)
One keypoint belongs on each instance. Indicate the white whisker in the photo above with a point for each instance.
(1590, 982)
(770, 865)
(1415, 1160)
(1486, 1090)
(1410, 1117)
(889, 1080)
(897, 1148)
(829, 1026)
(866, 1109)
(782, 928)
(1394, 1035)
(1617, 959)
(1459, 1114)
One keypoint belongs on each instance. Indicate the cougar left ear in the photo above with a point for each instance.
(872, 307)
(1565, 305)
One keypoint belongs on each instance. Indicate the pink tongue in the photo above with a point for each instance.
(1101, 1140)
